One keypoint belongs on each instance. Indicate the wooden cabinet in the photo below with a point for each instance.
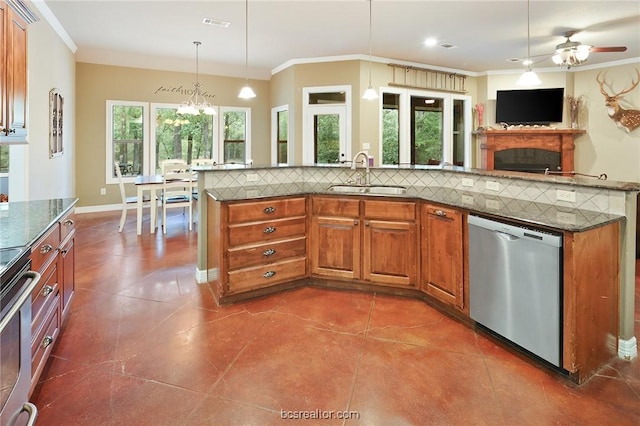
(258, 243)
(13, 76)
(363, 239)
(53, 257)
(442, 254)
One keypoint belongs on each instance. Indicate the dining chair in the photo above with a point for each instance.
(161, 163)
(177, 190)
(127, 202)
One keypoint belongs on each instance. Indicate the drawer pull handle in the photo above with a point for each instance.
(46, 341)
(269, 274)
(269, 252)
(47, 290)
(68, 222)
(441, 213)
(269, 210)
(270, 230)
(46, 248)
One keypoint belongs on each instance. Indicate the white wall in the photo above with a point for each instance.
(33, 175)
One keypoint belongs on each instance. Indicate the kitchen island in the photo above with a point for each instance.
(427, 220)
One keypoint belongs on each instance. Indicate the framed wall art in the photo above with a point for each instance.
(56, 103)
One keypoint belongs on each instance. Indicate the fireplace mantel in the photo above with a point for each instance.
(555, 140)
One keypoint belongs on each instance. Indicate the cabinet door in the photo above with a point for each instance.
(14, 90)
(389, 252)
(442, 266)
(67, 278)
(335, 247)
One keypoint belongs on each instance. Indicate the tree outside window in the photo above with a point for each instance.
(185, 137)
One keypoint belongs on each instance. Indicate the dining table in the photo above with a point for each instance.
(151, 183)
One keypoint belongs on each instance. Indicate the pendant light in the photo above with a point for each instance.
(370, 93)
(193, 105)
(529, 77)
(246, 92)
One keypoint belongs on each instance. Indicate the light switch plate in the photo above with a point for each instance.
(492, 185)
(563, 195)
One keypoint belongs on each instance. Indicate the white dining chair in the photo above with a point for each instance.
(127, 202)
(176, 190)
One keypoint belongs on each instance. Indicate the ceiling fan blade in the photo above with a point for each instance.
(609, 49)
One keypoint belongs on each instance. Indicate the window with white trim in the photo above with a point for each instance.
(235, 135)
(127, 139)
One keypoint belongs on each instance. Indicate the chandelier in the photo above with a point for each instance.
(194, 105)
(571, 56)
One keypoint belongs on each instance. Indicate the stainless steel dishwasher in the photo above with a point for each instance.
(515, 284)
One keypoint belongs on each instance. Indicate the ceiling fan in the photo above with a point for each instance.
(571, 53)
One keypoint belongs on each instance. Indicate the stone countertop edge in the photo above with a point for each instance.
(22, 223)
(528, 212)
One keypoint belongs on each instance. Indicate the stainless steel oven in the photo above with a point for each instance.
(16, 285)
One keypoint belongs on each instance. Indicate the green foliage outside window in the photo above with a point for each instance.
(327, 138)
(127, 136)
(390, 137)
(185, 137)
(428, 136)
(4, 159)
(234, 136)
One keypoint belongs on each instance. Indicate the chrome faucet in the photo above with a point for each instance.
(354, 165)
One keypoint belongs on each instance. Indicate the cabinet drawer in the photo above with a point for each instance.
(336, 207)
(43, 295)
(266, 210)
(269, 252)
(266, 231)
(390, 210)
(440, 211)
(45, 249)
(67, 225)
(264, 276)
(43, 340)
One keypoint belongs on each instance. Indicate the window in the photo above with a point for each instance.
(187, 137)
(127, 138)
(422, 127)
(235, 135)
(4, 159)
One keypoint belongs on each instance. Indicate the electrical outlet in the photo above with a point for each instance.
(103, 191)
(565, 217)
(252, 177)
(493, 204)
(467, 199)
(563, 195)
(492, 185)
(467, 182)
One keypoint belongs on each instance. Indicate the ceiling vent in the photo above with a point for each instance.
(448, 46)
(216, 22)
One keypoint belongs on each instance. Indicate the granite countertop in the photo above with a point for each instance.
(533, 213)
(23, 222)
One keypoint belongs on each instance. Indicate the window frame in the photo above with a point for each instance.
(221, 141)
(275, 135)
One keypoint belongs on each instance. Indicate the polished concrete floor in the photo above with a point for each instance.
(145, 345)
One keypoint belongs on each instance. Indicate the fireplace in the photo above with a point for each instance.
(528, 149)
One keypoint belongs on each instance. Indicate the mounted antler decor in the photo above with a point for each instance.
(628, 119)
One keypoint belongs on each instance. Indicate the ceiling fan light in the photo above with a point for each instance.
(247, 93)
(557, 59)
(582, 53)
(529, 78)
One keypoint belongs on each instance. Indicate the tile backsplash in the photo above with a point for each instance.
(596, 199)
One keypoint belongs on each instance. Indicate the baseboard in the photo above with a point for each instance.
(628, 349)
(207, 275)
(99, 209)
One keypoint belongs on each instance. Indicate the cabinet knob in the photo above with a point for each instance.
(269, 274)
(46, 290)
(269, 230)
(441, 213)
(366, 224)
(269, 210)
(269, 252)
(47, 341)
(46, 248)
(355, 222)
(68, 222)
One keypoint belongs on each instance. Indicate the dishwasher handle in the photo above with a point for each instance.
(506, 236)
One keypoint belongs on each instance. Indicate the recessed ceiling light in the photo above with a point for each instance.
(448, 46)
(430, 42)
(216, 22)
(514, 59)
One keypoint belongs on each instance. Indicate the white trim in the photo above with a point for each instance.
(628, 349)
(468, 126)
(55, 24)
(274, 134)
(99, 208)
(204, 276)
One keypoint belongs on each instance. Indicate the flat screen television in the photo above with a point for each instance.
(529, 107)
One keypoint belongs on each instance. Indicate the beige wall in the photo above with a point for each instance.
(98, 83)
(33, 175)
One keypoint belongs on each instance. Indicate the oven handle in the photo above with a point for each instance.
(35, 277)
(32, 410)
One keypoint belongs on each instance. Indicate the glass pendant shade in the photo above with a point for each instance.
(370, 94)
(529, 78)
(247, 93)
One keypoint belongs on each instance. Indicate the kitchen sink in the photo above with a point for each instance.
(369, 189)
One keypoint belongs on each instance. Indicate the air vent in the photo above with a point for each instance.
(514, 60)
(216, 22)
(448, 46)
